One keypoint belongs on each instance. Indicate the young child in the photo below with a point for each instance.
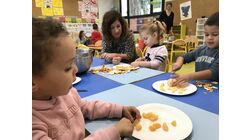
(95, 35)
(156, 54)
(206, 57)
(58, 112)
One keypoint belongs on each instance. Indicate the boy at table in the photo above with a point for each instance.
(206, 57)
(58, 112)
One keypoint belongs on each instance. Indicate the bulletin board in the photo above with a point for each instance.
(70, 8)
(199, 8)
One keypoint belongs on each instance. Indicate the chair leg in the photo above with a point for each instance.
(171, 58)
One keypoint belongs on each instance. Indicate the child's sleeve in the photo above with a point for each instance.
(190, 56)
(215, 70)
(99, 109)
(109, 133)
(160, 58)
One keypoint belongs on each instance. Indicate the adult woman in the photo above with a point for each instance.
(167, 16)
(118, 42)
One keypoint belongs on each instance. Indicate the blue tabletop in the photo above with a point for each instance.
(94, 83)
(205, 124)
(98, 62)
(201, 98)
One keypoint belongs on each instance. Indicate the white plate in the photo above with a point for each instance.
(166, 114)
(78, 79)
(189, 89)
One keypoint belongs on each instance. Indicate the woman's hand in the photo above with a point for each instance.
(116, 60)
(131, 113)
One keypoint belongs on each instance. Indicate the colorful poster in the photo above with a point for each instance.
(185, 10)
(58, 11)
(48, 3)
(57, 3)
(80, 6)
(39, 3)
(47, 11)
(89, 10)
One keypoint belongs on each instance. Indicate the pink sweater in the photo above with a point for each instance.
(62, 118)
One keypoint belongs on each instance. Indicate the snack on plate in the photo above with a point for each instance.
(162, 87)
(118, 69)
(174, 123)
(169, 86)
(138, 127)
(151, 116)
(165, 126)
(154, 126)
(103, 69)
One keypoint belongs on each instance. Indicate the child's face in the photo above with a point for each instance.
(212, 36)
(61, 72)
(149, 40)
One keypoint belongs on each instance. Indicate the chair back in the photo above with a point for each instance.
(144, 51)
(192, 42)
(98, 43)
(178, 46)
(167, 65)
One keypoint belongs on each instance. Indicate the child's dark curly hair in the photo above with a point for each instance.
(213, 20)
(45, 33)
(110, 17)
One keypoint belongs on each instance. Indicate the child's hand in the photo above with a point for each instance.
(139, 59)
(125, 127)
(131, 113)
(176, 66)
(135, 64)
(181, 79)
(116, 60)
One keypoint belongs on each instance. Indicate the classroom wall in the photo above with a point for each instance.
(71, 7)
(199, 8)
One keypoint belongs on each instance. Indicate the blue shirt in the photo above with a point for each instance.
(205, 58)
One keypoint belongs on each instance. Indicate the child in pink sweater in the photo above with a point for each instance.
(58, 112)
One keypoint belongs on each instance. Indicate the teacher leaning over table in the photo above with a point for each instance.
(118, 42)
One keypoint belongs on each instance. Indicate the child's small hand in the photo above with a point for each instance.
(131, 113)
(176, 66)
(181, 79)
(125, 127)
(139, 59)
(135, 64)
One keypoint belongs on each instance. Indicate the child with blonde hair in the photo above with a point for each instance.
(156, 55)
(58, 112)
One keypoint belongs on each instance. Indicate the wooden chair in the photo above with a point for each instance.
(167, 65)
(98, 43)
(192, 42)
(178, 46)
(144, 51)
(138, 52)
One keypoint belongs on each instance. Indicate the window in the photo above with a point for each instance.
(140, 11)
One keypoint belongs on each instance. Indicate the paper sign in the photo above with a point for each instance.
(47, 11)
(58, 11)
